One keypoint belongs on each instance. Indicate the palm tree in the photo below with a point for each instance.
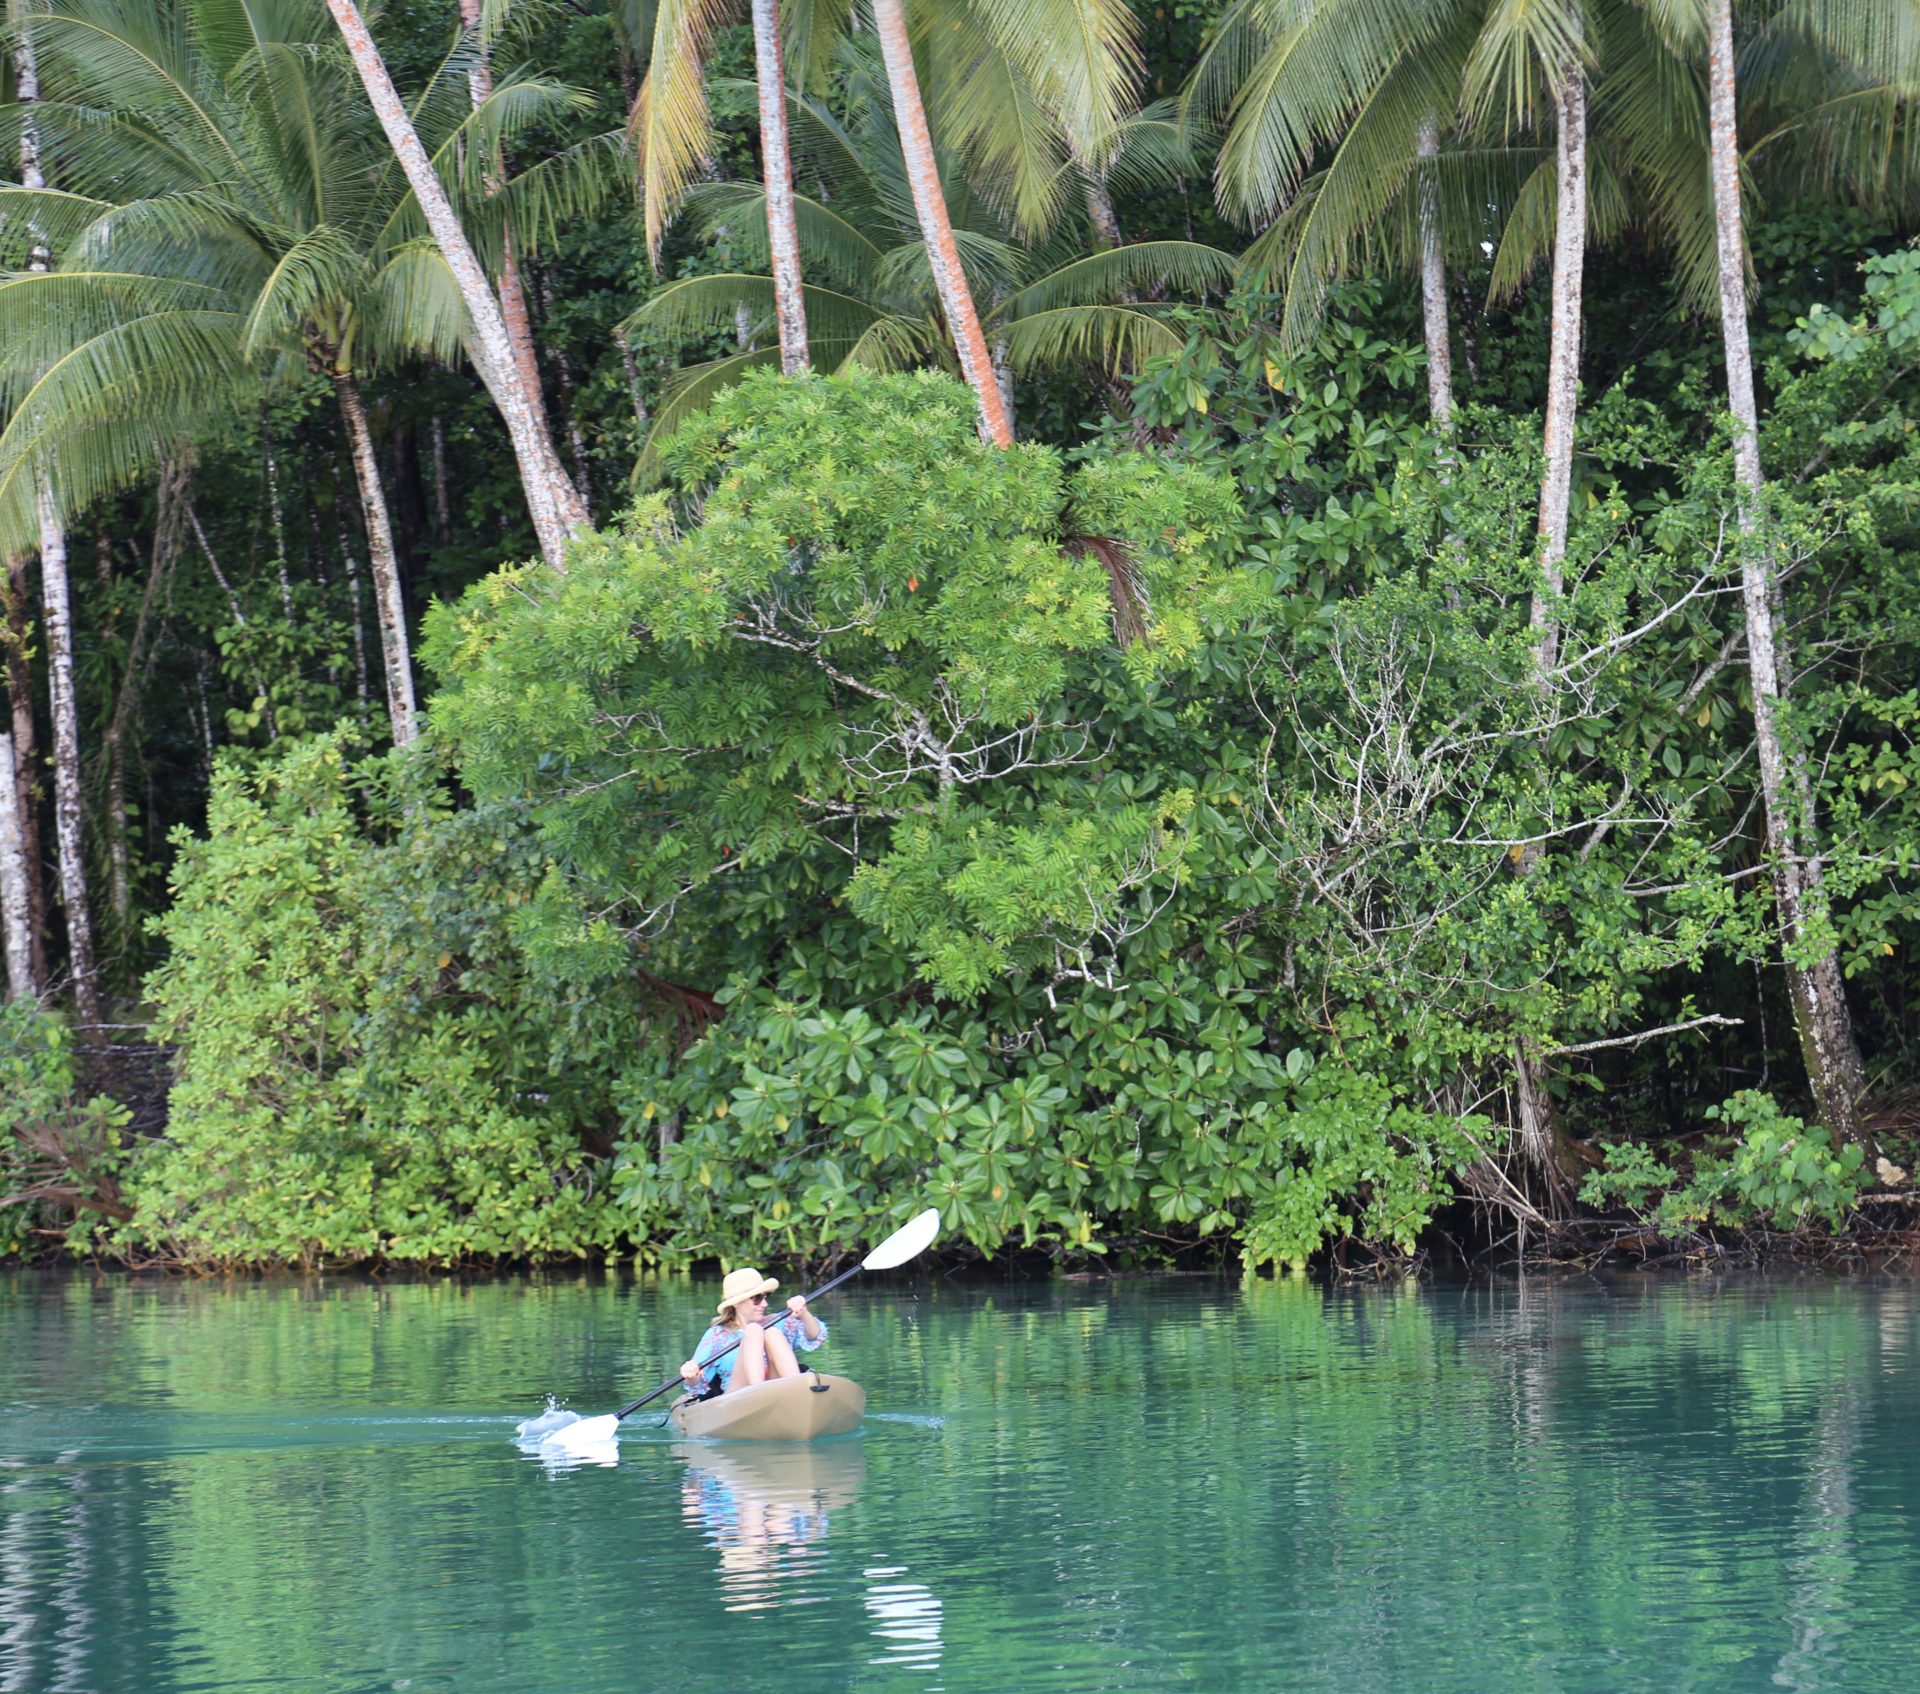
(1029, 95)
(513, 294)
(16, 914)
(231, 210)
(873, 304)
(776, 171)
(1362, 134)
(1833, 81)
(57, 605)
(552, 500)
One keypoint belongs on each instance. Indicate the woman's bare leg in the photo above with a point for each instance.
(780, 1359)
(751, 1367)
(763, 1353)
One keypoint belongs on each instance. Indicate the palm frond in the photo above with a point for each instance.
(829, 243)
(1524, 48)
(701, 305)
(1080, 57)
(1185, 267)
(42, 217)
(1115, 338)
(412, 306)
(322, 266)
(564, 189)
(692, 390)
(99, 416)
(671, 126)
(1308, 84)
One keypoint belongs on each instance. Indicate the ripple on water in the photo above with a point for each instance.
(1134, 1487)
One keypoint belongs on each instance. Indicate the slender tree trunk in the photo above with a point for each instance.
(442, 506)
(1101, 216)
(359, 611)
(513, 293)
(68, 804)
(640, 414)
(1825, 1026)
(388, 602)
(552, 500)
(1433, 284)
(569, 401)
(789, 304)
(1002, 354)
(57, 604)
(1563, 357)
(1543, 1139)
(276, 525)
(936, 228)
(23, 769)
(165, 545)
(16, 916)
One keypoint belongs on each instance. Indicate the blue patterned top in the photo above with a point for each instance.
(720, 1336)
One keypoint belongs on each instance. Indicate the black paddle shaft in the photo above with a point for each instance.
(824, 1288)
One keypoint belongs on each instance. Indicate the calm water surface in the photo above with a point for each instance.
(313, 1487)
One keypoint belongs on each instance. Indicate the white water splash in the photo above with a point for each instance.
(553, 1418)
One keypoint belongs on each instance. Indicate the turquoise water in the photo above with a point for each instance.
(313, 1486)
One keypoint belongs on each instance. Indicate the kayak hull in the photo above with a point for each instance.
(787, 1408)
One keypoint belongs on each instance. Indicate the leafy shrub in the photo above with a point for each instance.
(1633, 1177)
(1780, 1171)
(351, 1024)
(1785, 1171)
(58, 1151)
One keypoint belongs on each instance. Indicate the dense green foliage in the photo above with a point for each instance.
(1164, 832)
(365, 1063)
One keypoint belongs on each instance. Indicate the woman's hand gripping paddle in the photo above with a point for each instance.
(908, 1242)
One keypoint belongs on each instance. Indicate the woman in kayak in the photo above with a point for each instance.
(765, 1349)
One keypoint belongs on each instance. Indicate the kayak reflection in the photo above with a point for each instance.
(766, 1508)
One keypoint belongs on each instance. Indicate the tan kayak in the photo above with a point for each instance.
(787, 1408)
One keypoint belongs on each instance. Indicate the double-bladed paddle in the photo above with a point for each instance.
(907, 1242)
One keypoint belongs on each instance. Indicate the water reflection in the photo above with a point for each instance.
(907, 1618)
(1638, 1487)
(556, 1459)
(766, 1507)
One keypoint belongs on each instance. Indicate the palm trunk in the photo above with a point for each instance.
(1543, 1139)
(396, 659)
(1825, 1027)
(21, 769)
(936, 228)
(57, 604)
(1105, 222)
(513, 292)
(552, 501)
(68, 814)
(776, 168)
(16, 916)
(1433, 284)
(1563, 358)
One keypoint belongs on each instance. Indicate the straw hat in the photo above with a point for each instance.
(740, 1285)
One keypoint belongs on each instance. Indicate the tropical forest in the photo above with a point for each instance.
(1246, 633)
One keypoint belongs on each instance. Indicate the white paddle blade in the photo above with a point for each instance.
(586, 1435)
(907, 1242)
